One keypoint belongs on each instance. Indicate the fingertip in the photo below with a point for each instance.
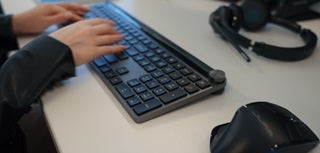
(112, 49)
(83, 8)
(118, 48)
(112, 22)
(73, 17)
(122, 47)
(86, 8)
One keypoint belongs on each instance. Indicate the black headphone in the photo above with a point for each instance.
(253, 15)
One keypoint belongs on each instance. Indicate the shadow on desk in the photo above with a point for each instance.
(36, 131)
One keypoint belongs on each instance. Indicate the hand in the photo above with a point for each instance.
(89, 39)
(36, 20)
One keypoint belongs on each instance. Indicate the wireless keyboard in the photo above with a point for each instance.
(152, 76)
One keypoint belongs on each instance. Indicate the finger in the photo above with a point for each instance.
(79, 13)
(60, 15)
(97, 21)
(108, 39)
(73, 17)
(103, 50)
(74, 7)
(103, 29)
(64, 17)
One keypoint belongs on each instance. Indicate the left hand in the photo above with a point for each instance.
(89, 39)
(36, 20)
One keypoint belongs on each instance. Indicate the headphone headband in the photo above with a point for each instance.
(288, 54)
(220, 22)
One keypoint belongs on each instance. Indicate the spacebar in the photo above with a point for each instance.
(172, 96)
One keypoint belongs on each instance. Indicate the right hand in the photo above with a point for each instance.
(89, 39)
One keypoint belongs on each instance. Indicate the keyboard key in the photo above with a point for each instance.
(111, 58)
(138, 57)
(159, 51)
(194, 77)
(179, 66)
(171, 60)
(183, 81)
(147, 41)
(115, 80)
(140, 47)
(144, 62)
(172, 96)
(145, 78)
(100, 61)
(124, 90)
(186, 71)
(155, 59)
(133, 101)
(105, 68)
(122, 70)
(146, 96)
(152, 46)
(165, 55)
(159, 91)
(140, 89)
(133, 41)
(152, 84)
(150, 68)
(122, 56)
(136, 34)
(157, 74)
(203, 84)
(171, 86)
(164, 80)
(168, 69)
(149, 54)
(128, 38)
(175, 75)
(191, 88)
(110, 74)
(161, 64)
(133, 82)
(147, 106)
(141, 37)
(131, 51)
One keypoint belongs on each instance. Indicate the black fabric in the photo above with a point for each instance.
(7, 38)
(1, 10)
(16, 144)
(24, 77)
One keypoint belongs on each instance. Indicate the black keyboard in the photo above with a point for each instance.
(152, 76)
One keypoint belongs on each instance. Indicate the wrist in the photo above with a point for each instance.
(16, 24)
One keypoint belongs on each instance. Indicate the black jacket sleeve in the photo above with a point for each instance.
(7, 37)
(27, 74)
(8, 40)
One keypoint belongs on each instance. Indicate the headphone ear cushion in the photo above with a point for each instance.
(255, 14)
(237, 17)
(220, 17)
(225, 15)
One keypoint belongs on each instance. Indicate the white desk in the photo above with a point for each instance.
(85, 117)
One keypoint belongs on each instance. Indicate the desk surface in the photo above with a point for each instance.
(84, 116)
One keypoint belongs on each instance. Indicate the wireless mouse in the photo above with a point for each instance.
(263, 127)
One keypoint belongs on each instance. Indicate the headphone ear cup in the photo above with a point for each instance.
(221, 17)
(255, 14)
(237, 17)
